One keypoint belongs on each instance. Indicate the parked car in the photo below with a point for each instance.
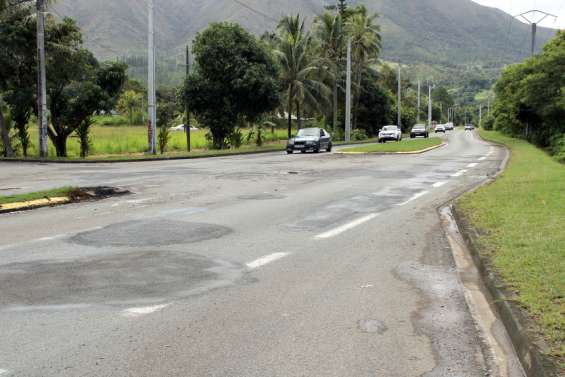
(180, 128)
(390, 133)
(419, 130)
(440, 128)
(310, 139)
(449, 126)
(469, 127)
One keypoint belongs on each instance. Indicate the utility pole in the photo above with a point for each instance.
(530, 18)
(348, 96)
(418, 111)
(429, 104)
(399, 117)
(187, 125)
(41, 80)
(152, 106)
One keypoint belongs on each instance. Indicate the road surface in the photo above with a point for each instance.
(262, 265)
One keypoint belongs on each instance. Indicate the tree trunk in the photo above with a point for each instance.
(335, 104)
(357, 99)
(60, 143)
(8, 151)
(289, 109)
(298, 115)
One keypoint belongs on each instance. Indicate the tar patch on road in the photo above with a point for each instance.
(124, 278)
(160, 232)
(261, 197)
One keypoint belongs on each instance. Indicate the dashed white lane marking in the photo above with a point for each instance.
(346, 227)
(473, 165)
(439, 184)
(137, 312)
(3, 372)
(414, 197)
(460, 173)
(482, 158)
(265, 260)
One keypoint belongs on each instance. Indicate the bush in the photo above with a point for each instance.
(359, 135)
(557, 148)
(111, 120)
(236, 138)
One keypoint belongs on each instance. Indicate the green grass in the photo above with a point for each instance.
(522, 220)
(130, 140)
(407, 145)
(60, 192)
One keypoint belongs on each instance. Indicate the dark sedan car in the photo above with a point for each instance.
(310, 139)
(419, 130)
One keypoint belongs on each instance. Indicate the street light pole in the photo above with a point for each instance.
(529, 18)
(399, 117)
(348, 95)
(418, 111)
(187, 125)
(41, 80)
(152, 106)
(429, 104)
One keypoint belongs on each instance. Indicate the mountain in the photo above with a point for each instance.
(458, 31)
(445, 35)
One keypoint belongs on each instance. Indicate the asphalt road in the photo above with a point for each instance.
(262, 265)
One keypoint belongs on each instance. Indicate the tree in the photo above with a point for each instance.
(128, 102)
(235, 78)
(375, 105)
(365, 47)
(299, 73)
(330, 33)
(78, 85)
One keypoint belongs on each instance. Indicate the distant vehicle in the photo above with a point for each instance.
(419, 130)
(180, 128)
(449, 126)
(310, 139)
(469, 127)
(390, 133)
(440, 128)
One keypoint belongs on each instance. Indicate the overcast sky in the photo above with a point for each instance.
(514, 7)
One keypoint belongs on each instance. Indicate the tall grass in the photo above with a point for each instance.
(123, 140)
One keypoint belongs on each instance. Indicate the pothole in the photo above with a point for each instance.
(145, 277)
(161, 232)
(372, 326)
(261, 197)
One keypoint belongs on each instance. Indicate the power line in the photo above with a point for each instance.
(248, 7)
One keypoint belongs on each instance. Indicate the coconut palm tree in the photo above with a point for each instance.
(331, 36)
(366, 45)
(299, 71)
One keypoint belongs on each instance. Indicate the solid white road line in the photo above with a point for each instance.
(265, 260)
(439, 184)
(346, 227)
(414, 197)
(3, 372)
(137, 312)
(460, 173)
(473, 165)
(482, 158)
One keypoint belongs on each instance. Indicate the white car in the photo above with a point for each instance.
(449, 126)
(390, 133)
(180, 128)
(440, 128)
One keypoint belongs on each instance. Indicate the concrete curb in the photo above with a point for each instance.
(34, 204)
(396, 153)
(149, 159)
(75, 196)
(514, 319)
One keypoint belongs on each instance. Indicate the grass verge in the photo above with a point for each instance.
(410, 145)
(55, 193)
(521, 219)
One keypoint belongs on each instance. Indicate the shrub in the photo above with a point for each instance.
(358, 135)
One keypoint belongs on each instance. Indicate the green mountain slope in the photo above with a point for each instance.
(423, 31)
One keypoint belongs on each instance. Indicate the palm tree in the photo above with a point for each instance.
(298, 70)
(330, 33)
(366, 45)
